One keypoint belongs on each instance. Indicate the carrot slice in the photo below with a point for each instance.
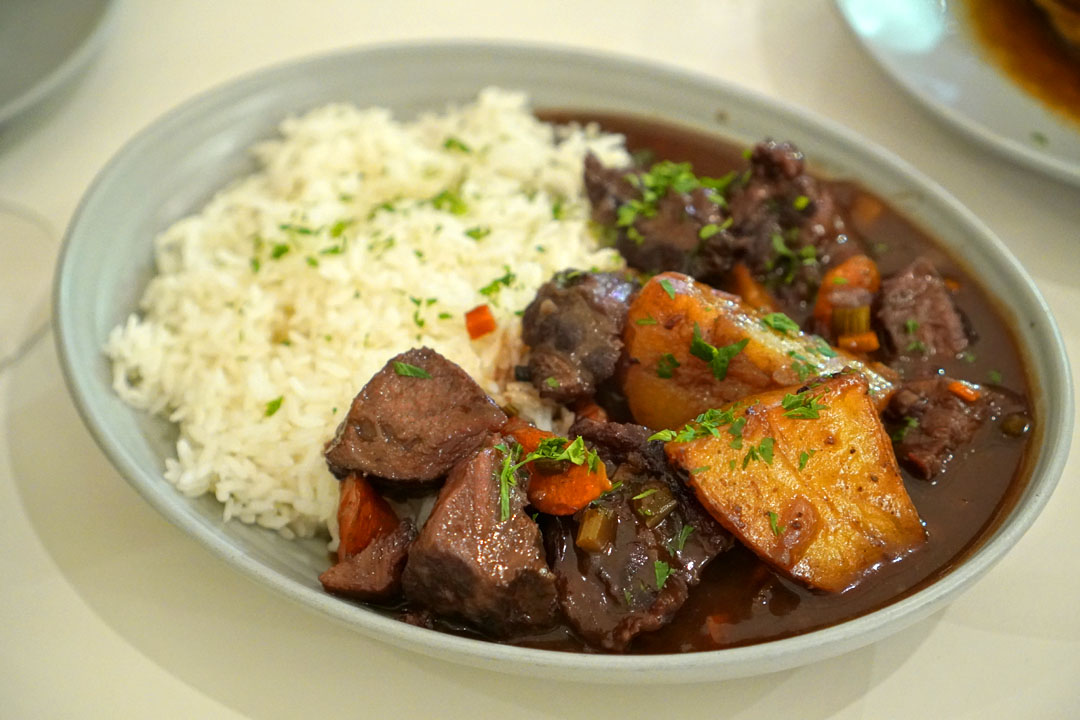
(750, 290)
(965, 391)
(363, 515)
(864, 342)
(858, 271)
(567, 489)
(588, 409)
(479, 321)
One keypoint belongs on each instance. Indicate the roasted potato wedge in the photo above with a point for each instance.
(806, 478)
(667, 383)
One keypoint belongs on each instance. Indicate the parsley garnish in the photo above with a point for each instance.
(663, 571)
(478, 232)
(507, 478)
(557, 211)
(780, 322)
(995, 377)
(665, 367)
(804, 457)
(911, 326)
(279, 250)
(801, 203)
(647, 320)
(551, 382)
(274, 405)
(338, 228)
(708, 231)
(718, 358)
(666, 284)
(644, 494)
(557, 449)
(916, 346)
(450, 202)
(763, 451)
(706, 424)
(680, 542)
(774, 523)
(411, 370)
(493, 287)
(452, 143)
(802, 406)
(901, 432)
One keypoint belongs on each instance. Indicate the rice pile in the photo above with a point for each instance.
(358, 238)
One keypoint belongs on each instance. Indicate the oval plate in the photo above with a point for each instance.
(176, 164)
(927, 47)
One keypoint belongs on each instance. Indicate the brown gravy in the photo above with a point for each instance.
(1018, 38)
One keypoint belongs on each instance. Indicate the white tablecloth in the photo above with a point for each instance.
(108, 611)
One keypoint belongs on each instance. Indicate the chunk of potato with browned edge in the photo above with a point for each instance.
(810, 483)
(666, 385)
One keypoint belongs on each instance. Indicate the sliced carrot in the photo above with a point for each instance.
(865, 211)
(965, 391)
(952, 284)
(479, 321)
(750, 290)
(859, 343)
(564, 491)
(858, 271)
(588, 409)
(363, 515)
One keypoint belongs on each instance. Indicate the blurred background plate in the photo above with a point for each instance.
(43, 46)
(929, 48)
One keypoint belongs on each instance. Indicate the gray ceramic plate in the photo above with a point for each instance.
(928, 48)
(176, 164)
(44, 44)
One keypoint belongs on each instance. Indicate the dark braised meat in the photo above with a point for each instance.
(573, 327)
(413, 429)
(931, 424)
(373, 574)
(918, 313)
(788, 222)
(471, 565)
(637, 575)
(671, 238)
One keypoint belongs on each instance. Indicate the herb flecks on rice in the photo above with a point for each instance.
(295, 284)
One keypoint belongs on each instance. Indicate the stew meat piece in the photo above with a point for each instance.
(918, 313)
(574, 327)
(932, 424)
(413, 429)
(671, 239)
(373, 574)
(471, 565)
(662, 542)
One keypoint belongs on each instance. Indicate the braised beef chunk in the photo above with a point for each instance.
(657, 541)
(407, 428)
(684, 231)
(788, 222)
(470, 564)
(573, 327)
(918, 313)
(931, 424)
(373, 574)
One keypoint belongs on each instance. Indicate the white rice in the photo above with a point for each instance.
(225, 328)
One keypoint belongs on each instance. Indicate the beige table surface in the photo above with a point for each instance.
(106, 610)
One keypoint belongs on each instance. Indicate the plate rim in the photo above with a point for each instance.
(673, 667)
(1005, 146)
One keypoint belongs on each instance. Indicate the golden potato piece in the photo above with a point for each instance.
(807, 480)
(666, 383)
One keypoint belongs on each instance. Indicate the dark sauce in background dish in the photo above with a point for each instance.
(1019, 38)
(740, 601)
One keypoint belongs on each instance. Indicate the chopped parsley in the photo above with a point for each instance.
(551, 382)
(802, 406)
(274, 405)
(313, 262)
(298, 229)
(706, 424)
(680, 542)
(665, 367)
(451, 202)
(338, 228)
(453, 143)
(663, 571)
(255, 265)
(647, 320)
(504, 280)
(781, 323)
(478, 233)
(668, 288)
(507, 478)
(916, 346)
(995, 377)
(901, 432)
(804, 457)
(968, 356)
(718, 358)
(911, 326)
(558, 212)
(763, 451)
(736, 433)
(411, 370)
(801, 203)
(774, 524)
(708, 231)
(279, 250)
(644, 494)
